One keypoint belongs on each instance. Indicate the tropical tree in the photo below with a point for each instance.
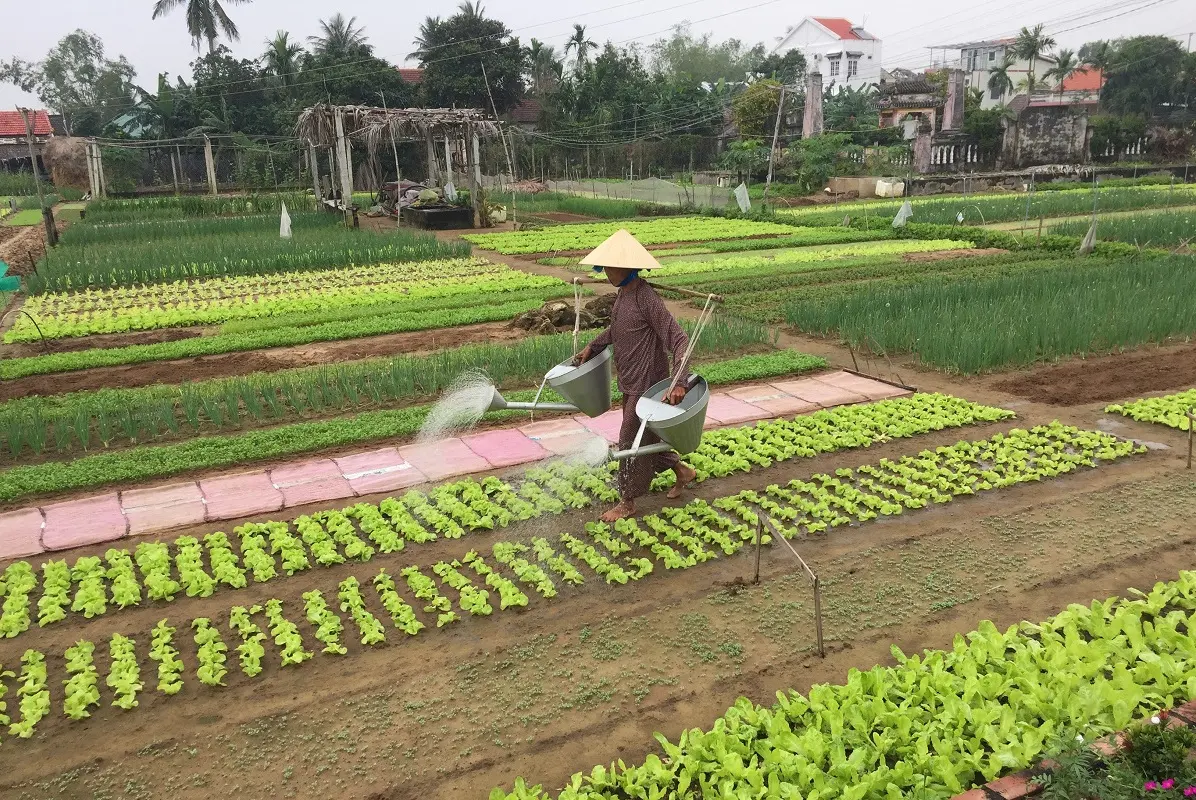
(281, 58)
(487, 61)
(424, 41)
(156, 112)
(471, 9)
(206, 19)
(1031, 44)
(341, 37)
(546, 69)
(1066, 65)
(999, 80)
(580, 46)
(77, 80)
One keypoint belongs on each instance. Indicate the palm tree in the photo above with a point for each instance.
(341, 36)
(425, 42)
(579, 43)
(281, 58)
(471, 9)
(156, 111)
(1030, 44)
(999, 80)
(1066, 65)
(546, 68)
(206, 19)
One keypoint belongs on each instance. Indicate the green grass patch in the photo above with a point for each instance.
(600, 207)
(24, 219)
(184, 206)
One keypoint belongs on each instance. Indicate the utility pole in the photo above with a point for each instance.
(47, 213)
(776, 131)
(503, 136)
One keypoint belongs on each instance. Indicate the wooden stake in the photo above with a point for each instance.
(818, 616)
(759, 541)
(1039, 240)
(1191, 427)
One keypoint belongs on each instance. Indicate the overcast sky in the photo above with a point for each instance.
(907, 27)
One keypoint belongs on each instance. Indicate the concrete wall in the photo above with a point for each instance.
(1047, 135)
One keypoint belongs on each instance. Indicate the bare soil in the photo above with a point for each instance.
(1106, 378)
(943, 255)
(268, 360)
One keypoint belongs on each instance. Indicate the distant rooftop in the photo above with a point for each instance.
(13, 124)
(975, 45)
(843, 28)
(411, 75)
(1088, 79)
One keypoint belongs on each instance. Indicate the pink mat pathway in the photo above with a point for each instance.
(108, 517)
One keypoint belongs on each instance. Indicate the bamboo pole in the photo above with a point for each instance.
(210, 163)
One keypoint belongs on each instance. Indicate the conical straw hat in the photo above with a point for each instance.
(621, 250)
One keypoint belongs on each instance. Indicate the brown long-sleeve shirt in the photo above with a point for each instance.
(643, 333)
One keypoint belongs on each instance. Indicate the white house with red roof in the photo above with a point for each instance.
(845, 53)
(14, 150)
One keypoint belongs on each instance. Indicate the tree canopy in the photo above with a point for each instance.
(468, 58)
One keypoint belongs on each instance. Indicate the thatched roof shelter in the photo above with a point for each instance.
(373, 126)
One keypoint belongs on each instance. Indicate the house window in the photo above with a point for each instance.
(853, 67)
(992, 56)
(834, 62)
(996, 93)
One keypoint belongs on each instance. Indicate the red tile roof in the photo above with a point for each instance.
(411, 74)
(527, 111)
(1089, 79)
(13, 124)
(839, 26)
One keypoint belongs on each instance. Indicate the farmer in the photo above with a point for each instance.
(643, 333)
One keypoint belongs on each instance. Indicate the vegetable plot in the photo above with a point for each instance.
(216, 300)
(810, 256)
(675, 538)
(1171, 410)
(657, 231)
(937, 723)
(456, 508)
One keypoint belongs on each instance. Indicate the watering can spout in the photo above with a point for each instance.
(497, 401)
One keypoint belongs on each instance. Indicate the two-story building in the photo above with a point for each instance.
(843, 52)
(978, 60)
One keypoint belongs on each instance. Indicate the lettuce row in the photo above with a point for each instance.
(223, 560)
(56, 585)
(475, 601)
(126, 589)
(323, 548)
(91, 597)
(189, 560)
(250, 650)
(35, 697)
(401, 614)
(80, 688)
(607, 569)
(124, 676)
(545, 554)
(375, 526)
(286, 635)
(508, 593)
(424, 588)
(153, 559)
(327, 623)
(1171, 410)
(343, 533)
(371, 630)
(506, 553)
(170, 666)
(211, 653)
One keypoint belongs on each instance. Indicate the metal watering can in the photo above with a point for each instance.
(587, 388)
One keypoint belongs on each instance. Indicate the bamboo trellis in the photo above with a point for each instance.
(334, 127)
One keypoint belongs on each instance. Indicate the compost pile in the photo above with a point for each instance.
(557, 315)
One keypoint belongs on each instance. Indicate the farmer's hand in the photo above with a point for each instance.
(675, 396)
(582, 357)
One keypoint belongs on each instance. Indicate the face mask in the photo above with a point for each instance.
(635, 273)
